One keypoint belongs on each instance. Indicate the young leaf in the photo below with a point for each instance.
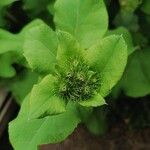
(126, 35)
(30, 25)
(27, 134)
(109, 57)
(40, 48)
(68, 48)
(43, 100)
(97, 100)
(87, 20)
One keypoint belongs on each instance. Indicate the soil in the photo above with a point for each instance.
(118, 138)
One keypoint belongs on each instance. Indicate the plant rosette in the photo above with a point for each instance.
(78, 69)
(80, 65)
(83, 76)
(75, 78)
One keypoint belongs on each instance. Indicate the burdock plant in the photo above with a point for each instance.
(75, 74)
(78, 66)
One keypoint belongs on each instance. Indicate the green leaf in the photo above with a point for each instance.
(43, 99)
(50, 7)
(22, 84)
(130, 5)
(146, 7)
(42, 33)
(97, 123)
(84, 112)
(68, 48)
(34, 7)
(14, 42)
(6, 2)
(30, 25)
(9, 42)
(107, 2)
(136, 79)
(140, 39)
(126, 35)
(127, 19)
(27, 134)
(6, 69)
(2, 18)
(87, 20)
(40, 48)
(95, 101)
(39, 57)
(109, 58)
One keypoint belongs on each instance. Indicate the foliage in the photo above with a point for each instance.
(67, 63)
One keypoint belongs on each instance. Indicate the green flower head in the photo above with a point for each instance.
(79, 82)
(76, 80)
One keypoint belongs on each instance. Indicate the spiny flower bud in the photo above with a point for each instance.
(79, 82)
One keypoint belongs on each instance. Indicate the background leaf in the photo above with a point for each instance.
(22, 84)
(146, 7)
(9, 42)
(6, 2)
(87, 20)
(6, 68)
(130, 5)
(127, 19)
(34, 7)
(136, 79)
(122, 31)
(97, 123)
